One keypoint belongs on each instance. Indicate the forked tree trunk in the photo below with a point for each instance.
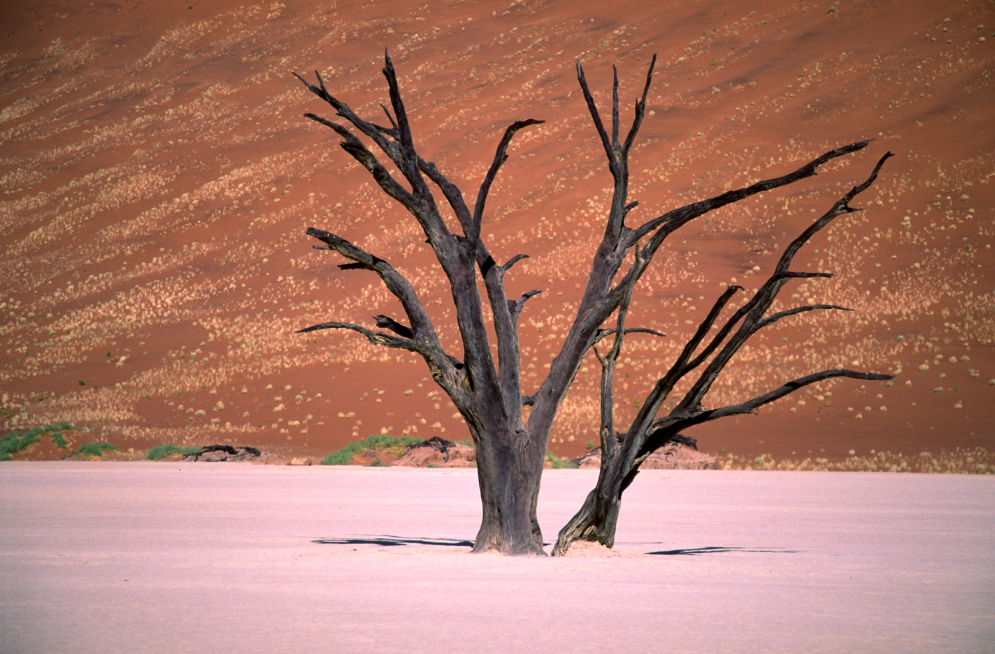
(509, 471)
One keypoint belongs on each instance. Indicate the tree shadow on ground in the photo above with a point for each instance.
(400, 541)
(716, 549)
(395, 541)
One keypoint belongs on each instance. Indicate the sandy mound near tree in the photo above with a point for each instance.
(438, 453)
(673, 456)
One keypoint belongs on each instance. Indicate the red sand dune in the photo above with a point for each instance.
(157, 178)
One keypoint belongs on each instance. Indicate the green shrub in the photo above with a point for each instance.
(162, 451)
(341, 457)
(93, 449)
(16, 441)
(559, 462)
(379, 442)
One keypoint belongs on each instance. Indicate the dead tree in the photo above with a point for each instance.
(488, 393)
(623, 453)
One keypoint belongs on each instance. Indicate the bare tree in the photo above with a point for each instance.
(488, 393)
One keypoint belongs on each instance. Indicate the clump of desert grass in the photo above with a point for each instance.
(959, 460)
(559, 462)
(377, 450)
(93, 451)
(161, 452)
(18, 441)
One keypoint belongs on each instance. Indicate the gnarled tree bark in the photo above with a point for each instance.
(488, 393)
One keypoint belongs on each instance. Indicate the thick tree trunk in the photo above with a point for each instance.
(509, 470)
(598, 516)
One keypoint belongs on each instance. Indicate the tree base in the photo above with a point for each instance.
(595, 522)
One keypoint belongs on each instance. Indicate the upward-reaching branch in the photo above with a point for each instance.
(683, 365)
(764, 297)
(455, 255)
(677, 218)
(500, 156)
(458, 256)
(640, 110)
(592, 107)
(614, 107)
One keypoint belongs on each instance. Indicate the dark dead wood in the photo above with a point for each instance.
(386, 322)
(755, 403)
(500, 156)
(622, 456)
(487, 393)
(375, 337)
(605, 333)
(677, 218)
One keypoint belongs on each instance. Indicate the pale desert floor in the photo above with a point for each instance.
(146, 557)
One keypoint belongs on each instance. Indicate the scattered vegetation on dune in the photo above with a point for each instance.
(17, 441)
(379, 447)
(383, 449)
(167, 325)
(957, 461)
(162, 451)
(94, 450)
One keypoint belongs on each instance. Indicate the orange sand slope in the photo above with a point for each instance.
(157, 178)
(131, 558)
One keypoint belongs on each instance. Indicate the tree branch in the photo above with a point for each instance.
(754, 319)
(682, 366)
(500, 156)
(376, 134)
(640, 110)
(422, 330)
(751, 405)
(515, 307)
(452, 193)
(602, 334)
(791, 312)
(841, 206)
(678, 217)
(703, 329)
(504, 312)
(456, 259)
(375, 337)
(397, 144)
(615, 118)
(386, 322)
(512, 261)
(596, 117)
(359, 152)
